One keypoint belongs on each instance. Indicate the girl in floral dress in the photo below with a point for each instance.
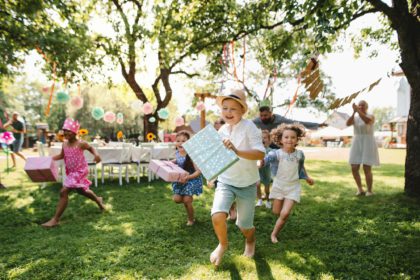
(189, 185)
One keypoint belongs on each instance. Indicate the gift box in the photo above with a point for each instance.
(208, 152)
(167, 170)
(41, 169)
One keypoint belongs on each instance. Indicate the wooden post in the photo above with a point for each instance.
(202, 97)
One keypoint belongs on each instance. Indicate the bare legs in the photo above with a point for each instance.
(187, 200)
(367, 169)
(14, 158)
(62, 204)
(220, 229)
(282, 208)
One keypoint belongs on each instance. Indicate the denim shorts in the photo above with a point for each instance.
(225, 195)
(17, 145)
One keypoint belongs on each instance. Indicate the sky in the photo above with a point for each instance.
(348, 75)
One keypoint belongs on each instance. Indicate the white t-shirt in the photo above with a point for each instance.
(245, 136)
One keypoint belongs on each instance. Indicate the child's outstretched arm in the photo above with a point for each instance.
(246, 154)
(59, 156)
(193, 175)
(86, 146)
(308, 179)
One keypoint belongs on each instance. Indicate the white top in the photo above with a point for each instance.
(363, 147)
(245, 136)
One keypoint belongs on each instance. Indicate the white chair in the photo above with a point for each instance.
(142, 163)
(172, 150)
(124, 161)
(41, 148)
(92, 164)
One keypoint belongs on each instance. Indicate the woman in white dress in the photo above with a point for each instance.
(363, 149)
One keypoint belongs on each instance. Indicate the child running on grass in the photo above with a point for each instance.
(239, 181)
(76, 170)
(265, 173)
(286, 186)
(189, 185)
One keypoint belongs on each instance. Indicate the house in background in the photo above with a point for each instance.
(398, 125)
(337, 120)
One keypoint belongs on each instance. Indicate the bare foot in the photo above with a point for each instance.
(190, 223)
(249, 248)
(51, 223)
(217, 255)
(274, 239)
(101, 204)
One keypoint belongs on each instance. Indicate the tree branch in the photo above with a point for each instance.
(185, 73)
(381, 6)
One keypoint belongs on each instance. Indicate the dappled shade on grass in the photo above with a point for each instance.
(331, 233)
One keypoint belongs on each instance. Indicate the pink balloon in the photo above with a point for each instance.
(109, 117)
(147, 108)
(179, 121)
(120, 121)
(76, 102)
(200, 106)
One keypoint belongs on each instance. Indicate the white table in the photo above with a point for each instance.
(107, 154)
(158, 152)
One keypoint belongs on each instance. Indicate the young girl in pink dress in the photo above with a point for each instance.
(76, 170)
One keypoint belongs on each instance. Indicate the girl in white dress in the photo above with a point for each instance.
(286, 186)
(363, 149)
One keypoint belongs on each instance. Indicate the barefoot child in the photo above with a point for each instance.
(239, 181)
(189, 185)
(265, 173)
(286, 186)
(76, 170)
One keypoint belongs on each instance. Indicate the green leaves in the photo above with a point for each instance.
(55, 27)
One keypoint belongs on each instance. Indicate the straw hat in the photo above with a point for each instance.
(238, 95)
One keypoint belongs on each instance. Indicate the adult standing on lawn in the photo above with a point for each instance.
(363, 149)
(268, 121)
(19, 131)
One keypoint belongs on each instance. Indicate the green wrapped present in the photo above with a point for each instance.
(207, 151)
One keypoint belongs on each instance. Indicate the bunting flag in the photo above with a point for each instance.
(47, 109)
(312, 79)
(294, 98)
(346, 100)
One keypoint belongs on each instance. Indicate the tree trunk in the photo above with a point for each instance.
(150, 127)
(408, 30)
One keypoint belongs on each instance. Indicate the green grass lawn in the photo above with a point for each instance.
(331, 234)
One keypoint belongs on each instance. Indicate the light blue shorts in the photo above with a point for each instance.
(225, 195)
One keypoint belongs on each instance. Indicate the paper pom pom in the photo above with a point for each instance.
(120, 116)
(152, 119)
(179, 121)
(7, 138)
(62, 97)
(76, 102)
(137, 105)
(120, 121)
(200, 106)
(109, 117)
(163, 113)
(147, 108)
(97, 113)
